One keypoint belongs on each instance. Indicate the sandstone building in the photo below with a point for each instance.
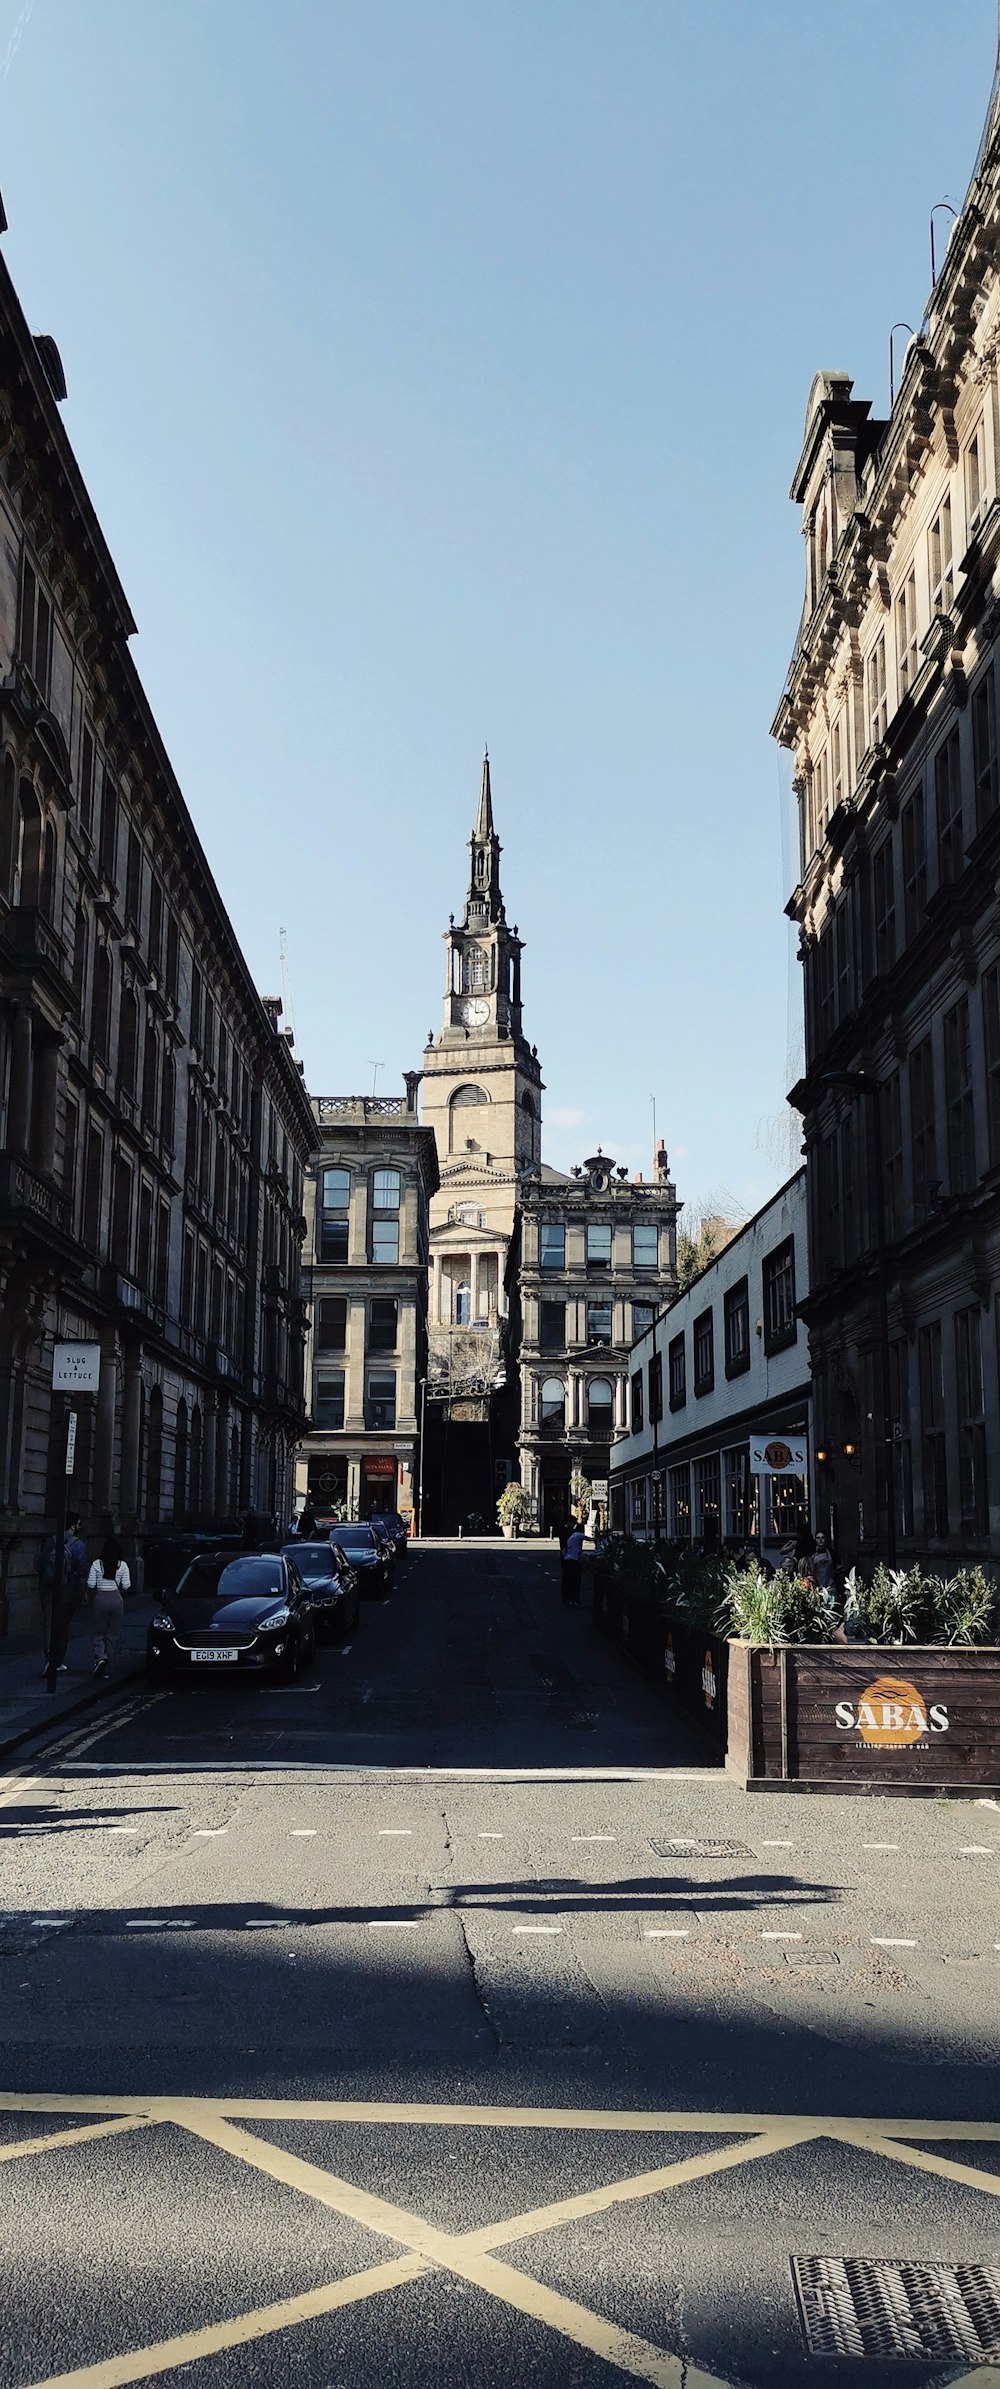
(890, 711)
(153, 1124)
(594, 1260)
(367, 1202)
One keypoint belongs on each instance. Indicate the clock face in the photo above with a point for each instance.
(475, 1012)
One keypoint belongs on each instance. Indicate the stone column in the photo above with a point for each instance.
(408, 1226)
(128, 1485)
(406, 1389)
(19, 1098)
(354, 1389)
(210, 1421)
(104, 1425)
(357, 1223)
(222, 1458)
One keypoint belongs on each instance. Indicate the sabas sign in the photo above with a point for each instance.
(891, 1713)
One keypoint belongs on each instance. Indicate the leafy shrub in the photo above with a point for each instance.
(774, 1609)
(904, 1605)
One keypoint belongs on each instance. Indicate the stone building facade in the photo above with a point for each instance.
(367, 1210)
(594, 1260)
(154, 1128)
(726, 1361)
(890, 712)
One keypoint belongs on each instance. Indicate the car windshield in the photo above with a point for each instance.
(354, 1538)
(217, 1577)
(311, 1559)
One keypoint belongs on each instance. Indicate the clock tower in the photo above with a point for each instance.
(481, 1094)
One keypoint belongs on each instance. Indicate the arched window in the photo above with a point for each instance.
(100, 1027)
(553, 1402)
(28, 878)
(154, 1457)
(128, 1041)
(600, 1402)
(463, 1304)
(181, 1460)
(464, 1098)
(527, 1104)
(475, 970)
(47, 890)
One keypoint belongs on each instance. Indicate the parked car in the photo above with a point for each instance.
(331, 1583)
(395, 1526)
(369, 1553)
(244, 1613)
(384, 1535)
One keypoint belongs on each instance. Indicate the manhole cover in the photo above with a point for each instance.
(680, 1846)
(861, 2306)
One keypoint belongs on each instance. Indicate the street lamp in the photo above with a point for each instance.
(861, 1082)
(420, 1472)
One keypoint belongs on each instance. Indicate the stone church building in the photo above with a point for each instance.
(482, 1096)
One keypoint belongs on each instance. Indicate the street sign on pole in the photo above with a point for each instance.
(76, 1368)
(70, 1442)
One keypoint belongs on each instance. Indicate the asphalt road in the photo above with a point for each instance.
(450, 2017)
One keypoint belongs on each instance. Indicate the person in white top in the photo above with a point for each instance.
(108, 1580)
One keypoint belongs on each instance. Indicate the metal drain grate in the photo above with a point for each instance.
(683, 1846)
(859, 2306)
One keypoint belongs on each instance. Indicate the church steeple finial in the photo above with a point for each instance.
(484, 900)
(484, 817)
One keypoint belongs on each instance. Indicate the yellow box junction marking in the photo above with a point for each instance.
(469, 2255)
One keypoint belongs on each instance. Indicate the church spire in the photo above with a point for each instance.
(484, 817)
(484, 901)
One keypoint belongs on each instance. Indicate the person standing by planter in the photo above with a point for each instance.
(572, 1567)
(108, 1580)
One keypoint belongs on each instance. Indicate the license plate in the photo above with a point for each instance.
(215, 1654)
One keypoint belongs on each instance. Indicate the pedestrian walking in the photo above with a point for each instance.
(307, 1522)
(56, 1614)
(108, 1580)
(572, 1567)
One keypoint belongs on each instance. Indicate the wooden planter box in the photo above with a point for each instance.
(690, 1663)
(862, 1718)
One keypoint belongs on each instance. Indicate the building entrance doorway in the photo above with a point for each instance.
(378, 1484)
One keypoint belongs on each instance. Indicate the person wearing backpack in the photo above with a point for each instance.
(108, 1580)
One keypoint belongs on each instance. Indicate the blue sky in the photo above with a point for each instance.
(438, 370)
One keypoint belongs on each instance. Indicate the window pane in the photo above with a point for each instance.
(553, 1401)
(329, 1400)
(332, 1238)
(599, 1245)
(598, 1322)
(380, 1408)
(382, 1326)
(552, 1244)
(552, 1326)
(385, 1190)
(600, 1401)
(644, 1244)
(385, 1241)
(331, 1323)
(335, 1190)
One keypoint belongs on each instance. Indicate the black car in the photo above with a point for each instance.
(331, 1583)
(368, 1554)
(234, 1613)
(395, 1526)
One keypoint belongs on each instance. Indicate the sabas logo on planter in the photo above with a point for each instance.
(890, 1713)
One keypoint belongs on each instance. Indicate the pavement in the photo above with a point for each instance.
(28, 1708)
(450, 2015)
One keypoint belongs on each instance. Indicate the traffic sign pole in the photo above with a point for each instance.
(59, 1620)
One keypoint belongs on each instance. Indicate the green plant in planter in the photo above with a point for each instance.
(514, 1507)
(965, 1607)
(696, 1590)
(889, 1609)
(775, 1609)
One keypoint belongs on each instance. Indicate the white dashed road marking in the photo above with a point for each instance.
(395, 1833)
(209, 1833)
(393, 1924)
(667, 1932)
(880, 1845)
(593, 1837)
(302, 1833)
(538, 1928)
(160, 1924)
(890, 1941)
(781, 1936)
(777, 1845)
(976, 1850)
